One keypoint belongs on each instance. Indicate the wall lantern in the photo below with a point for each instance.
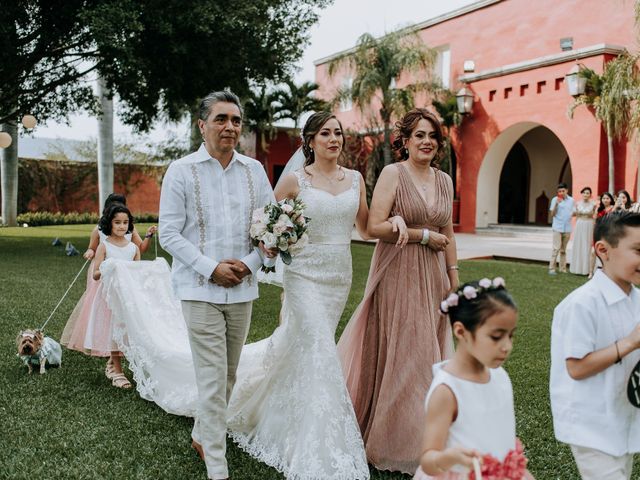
(464, 97)
(576, 84)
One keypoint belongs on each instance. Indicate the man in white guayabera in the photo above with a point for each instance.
(206, 207)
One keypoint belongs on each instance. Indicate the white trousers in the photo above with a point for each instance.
(217, 333)
(596, 465)
(560, 241)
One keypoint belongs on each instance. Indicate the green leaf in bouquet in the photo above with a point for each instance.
(266, 269)
(286, 258)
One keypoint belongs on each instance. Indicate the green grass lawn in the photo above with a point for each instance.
(70, 423)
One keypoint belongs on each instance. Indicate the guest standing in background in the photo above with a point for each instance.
(623, 201)
(585, 212)
(561, 209)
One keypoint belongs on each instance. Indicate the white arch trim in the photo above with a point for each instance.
(489, 174)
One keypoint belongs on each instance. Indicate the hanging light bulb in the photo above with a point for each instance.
(5, 140)
(29, 121)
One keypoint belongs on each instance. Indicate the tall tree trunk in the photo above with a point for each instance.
(611, 164)
(195, 137)
(9, 176)
(105, 144)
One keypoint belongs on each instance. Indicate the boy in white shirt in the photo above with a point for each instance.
(595, 342)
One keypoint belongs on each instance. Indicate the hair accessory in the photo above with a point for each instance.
(470, 292)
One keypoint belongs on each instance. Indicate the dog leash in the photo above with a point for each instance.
(65, 294)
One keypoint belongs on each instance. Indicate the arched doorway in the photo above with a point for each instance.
(513, 196)
(519, 172)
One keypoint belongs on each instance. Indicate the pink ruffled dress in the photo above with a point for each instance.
(88, 329)
(485, 422)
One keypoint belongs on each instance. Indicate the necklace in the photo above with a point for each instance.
(423, 186)
(335, 179)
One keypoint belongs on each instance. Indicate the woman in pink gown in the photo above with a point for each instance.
(397, 333)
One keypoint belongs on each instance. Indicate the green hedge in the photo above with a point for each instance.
(38, 219)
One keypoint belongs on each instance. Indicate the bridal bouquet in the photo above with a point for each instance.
(283, 226)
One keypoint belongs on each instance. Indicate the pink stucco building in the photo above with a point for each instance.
(518, 141)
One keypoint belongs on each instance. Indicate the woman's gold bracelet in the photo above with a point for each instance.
(453, 267)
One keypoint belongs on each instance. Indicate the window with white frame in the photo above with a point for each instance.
(442, 66)
(346, 103)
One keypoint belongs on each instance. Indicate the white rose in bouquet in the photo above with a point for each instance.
(286, 220)
(297, 247)
(269, 239)
(283, 244)
(279, 228)
(286, 208)
(259, 215)
(257, 229)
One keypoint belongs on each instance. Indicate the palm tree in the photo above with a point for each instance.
(447, 108)
(297, 100)
(377, 64)
(614, 97)
(260, 112)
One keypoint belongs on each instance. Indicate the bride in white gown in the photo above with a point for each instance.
(290, 407)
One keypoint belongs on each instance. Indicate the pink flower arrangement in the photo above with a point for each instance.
(513, 467)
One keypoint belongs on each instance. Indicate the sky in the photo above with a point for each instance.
(338, 28)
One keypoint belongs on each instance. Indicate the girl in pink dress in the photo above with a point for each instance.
(75, 331)
(470, 425)
(90, 331)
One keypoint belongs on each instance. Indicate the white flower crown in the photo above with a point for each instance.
(470, 292)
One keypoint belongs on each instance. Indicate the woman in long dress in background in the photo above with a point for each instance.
(585, 212)
(398, 332)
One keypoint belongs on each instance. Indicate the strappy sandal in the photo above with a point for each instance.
(120, 381)
(110, 370)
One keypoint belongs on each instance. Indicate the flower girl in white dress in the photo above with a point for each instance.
(470, 415)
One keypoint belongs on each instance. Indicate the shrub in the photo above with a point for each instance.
(38, 219)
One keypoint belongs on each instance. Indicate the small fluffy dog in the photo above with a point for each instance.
(36, 349)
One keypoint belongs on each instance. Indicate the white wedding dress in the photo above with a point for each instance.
(290, 407)
(148, 327)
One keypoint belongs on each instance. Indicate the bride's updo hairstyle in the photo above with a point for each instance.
(405, 126)
(314, 124)
(474, 302)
